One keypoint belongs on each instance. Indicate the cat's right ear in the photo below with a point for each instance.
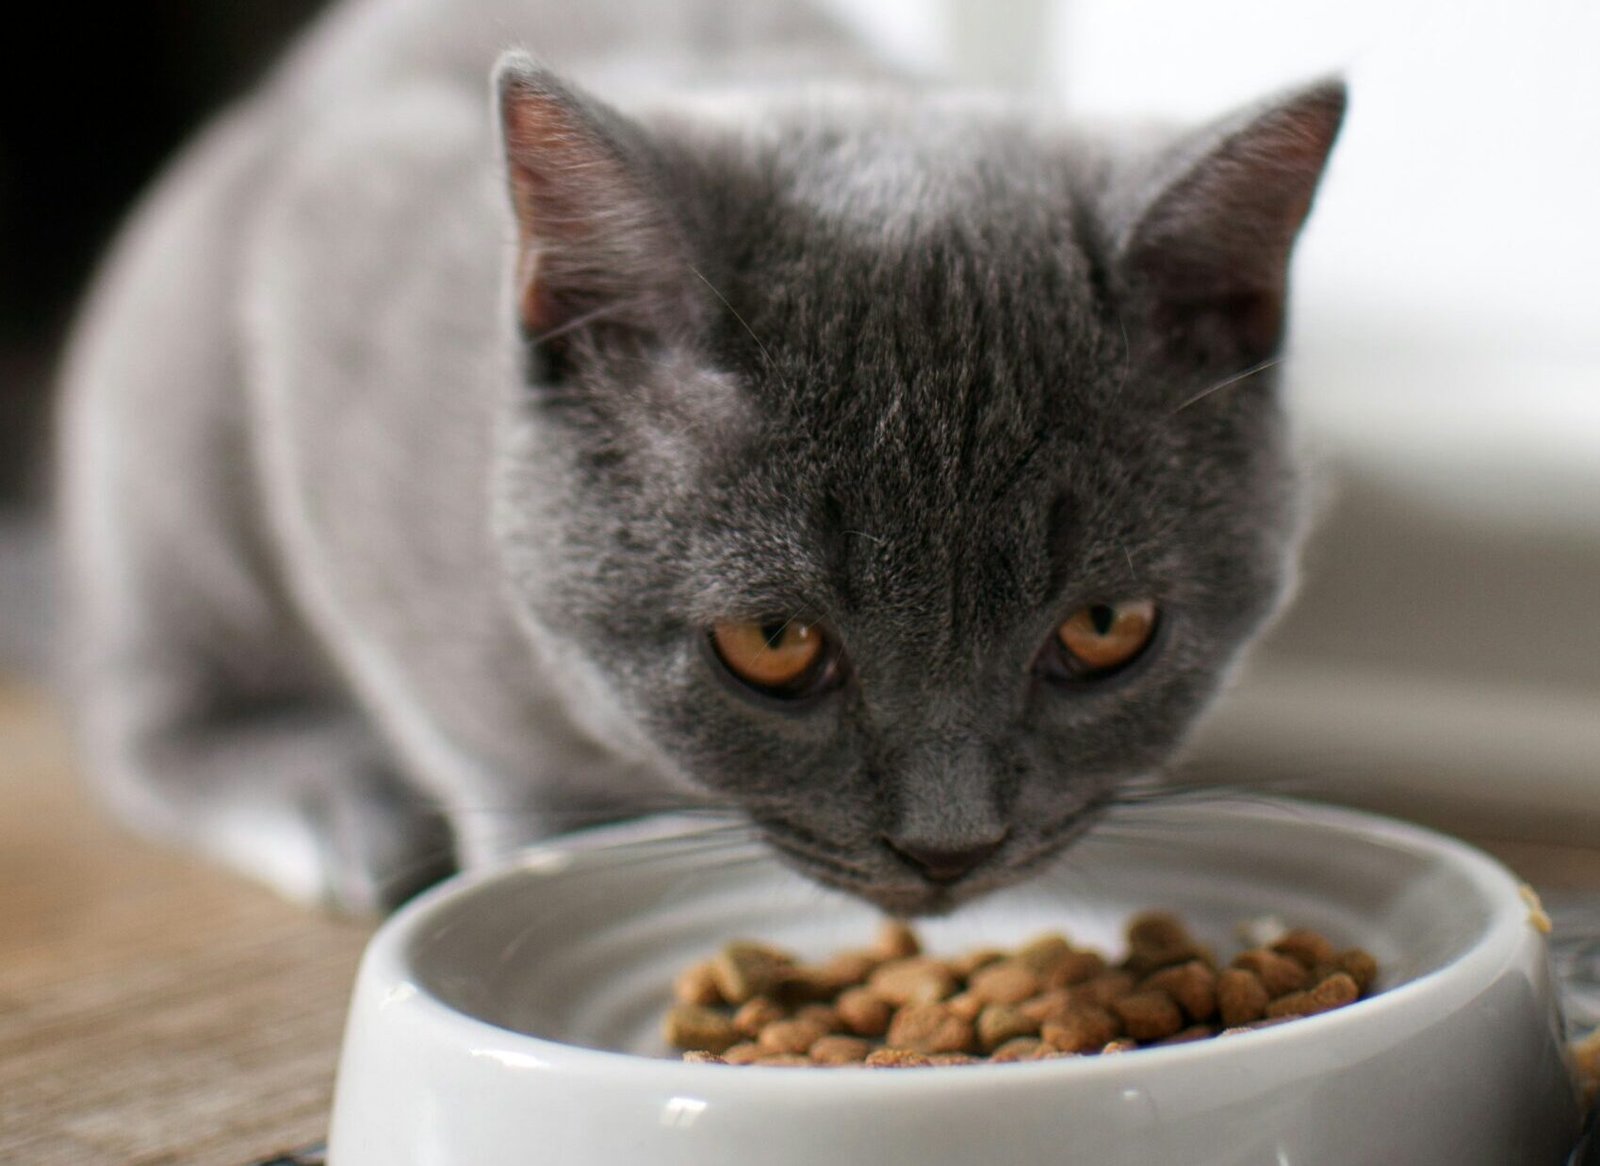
(1208, 253)
(594, 244)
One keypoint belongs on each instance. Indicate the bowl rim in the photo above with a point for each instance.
(1498, 947)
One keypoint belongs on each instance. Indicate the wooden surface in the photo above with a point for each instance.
(156, 1010)
(152, 1009)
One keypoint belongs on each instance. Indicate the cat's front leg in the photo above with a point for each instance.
(300, 797)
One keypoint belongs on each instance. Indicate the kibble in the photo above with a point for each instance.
(999, 1023)
(755, 1014)
(1148, 1016)
(744, 970)
(694, 1026)
(1006, 982)
(893, 1005)
(863, 1012)
(929, 1028)
(1241, 997)
(1081, 1030)
(790, 1036)
(840, 1050)
(1278, 973)
(912, 980)
(1192, 986)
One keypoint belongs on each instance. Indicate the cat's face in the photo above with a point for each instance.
(878, 475)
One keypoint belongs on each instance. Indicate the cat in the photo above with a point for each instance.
(460, 446)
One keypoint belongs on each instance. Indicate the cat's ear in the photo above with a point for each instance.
(1208, 255)
(593, 241)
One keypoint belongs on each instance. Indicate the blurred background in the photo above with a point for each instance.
(1443, 658)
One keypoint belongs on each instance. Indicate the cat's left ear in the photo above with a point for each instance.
(1208, 254)
(594, 241)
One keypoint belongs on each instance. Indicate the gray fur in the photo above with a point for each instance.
(363, 587)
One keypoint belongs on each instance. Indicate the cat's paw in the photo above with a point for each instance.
(381, 844)
(362, 847)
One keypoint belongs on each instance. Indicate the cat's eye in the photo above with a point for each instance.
(1100, 639)
(786, 659)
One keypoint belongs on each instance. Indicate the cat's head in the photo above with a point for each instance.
(904, 470)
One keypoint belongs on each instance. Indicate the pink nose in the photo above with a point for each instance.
(944, 864)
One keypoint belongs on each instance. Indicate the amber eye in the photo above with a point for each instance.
(783, 658)
(1100, 638)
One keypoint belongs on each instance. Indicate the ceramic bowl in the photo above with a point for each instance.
(512, 1016)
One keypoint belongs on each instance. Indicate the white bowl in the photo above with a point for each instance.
(511, 1017)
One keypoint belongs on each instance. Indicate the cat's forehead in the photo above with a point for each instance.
(915, 377)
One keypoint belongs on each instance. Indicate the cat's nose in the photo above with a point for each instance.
(943, 864)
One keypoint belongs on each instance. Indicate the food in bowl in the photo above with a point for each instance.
(892, 1005)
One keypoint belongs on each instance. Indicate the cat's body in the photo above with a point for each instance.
(346, 546)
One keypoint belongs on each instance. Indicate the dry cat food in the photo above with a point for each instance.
(893, 1006)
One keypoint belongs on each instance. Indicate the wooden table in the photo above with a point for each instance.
(154, 1010)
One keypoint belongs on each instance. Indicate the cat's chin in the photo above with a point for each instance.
(900, 899)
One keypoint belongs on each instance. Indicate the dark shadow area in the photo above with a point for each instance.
(93, 98)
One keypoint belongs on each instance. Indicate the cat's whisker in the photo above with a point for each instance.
(766, 354)
(579, 322)
(1261, 366)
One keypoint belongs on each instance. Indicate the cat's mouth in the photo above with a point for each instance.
(900, 892)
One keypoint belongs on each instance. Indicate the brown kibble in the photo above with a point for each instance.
(1104, 988)
(806, 983)
(755, 1014)
(863, 1012)
(999, 1023)
(1278, 973)
(1290, 1007)
(790, 1036)
(913, 980)
(840, 1050)
(962, 966)
(965, 1005)
(1336, 991)
(1359, 966)
(693, 1026)
(848, 968)
(1076, 968)
(1043, 953)
(929, 1028)
(1006, 982)
(896, 941)
(1305, 946)
(821, 1014)
(1241, 997)
(894, 1006)
(1022, 1048)
(1049, 1005)
(1082, 1030)
(697, 984)
(1192, 985)
(1148, 1015)
(744, 969)
(1157, 939)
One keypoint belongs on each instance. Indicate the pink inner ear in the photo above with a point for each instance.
(545, 154)
(593, 243)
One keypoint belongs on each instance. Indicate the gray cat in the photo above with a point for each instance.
(899, 467)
